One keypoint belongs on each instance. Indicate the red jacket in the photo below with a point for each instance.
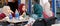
(2, 15)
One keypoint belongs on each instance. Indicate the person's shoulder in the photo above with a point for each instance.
(37, 4)
(2, 15)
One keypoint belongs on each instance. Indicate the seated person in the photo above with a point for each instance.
(22, 9)
(38, 10)
(47, 11)
(5, 12)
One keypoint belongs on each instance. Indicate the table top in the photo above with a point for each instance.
(14, 20)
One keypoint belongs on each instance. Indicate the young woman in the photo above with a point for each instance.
(22, 9)
(5, 12)
(38, 10)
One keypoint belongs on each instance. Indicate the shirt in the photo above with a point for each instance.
(38, 9)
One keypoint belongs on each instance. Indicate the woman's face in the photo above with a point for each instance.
(23, 8)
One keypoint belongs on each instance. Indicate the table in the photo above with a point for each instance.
(15, 21)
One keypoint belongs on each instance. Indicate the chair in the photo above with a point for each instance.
(39, 22)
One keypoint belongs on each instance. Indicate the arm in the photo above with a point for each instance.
(23, 14)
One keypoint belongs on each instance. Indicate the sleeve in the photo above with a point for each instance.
(2, 15)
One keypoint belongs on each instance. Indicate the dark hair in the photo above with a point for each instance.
(37, 1)
(16, 0)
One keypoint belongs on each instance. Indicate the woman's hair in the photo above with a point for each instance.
(16, 0)
(37, 1)
(20, 8)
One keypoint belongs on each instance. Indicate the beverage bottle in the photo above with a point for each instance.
(10, 16)
(16, 14)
